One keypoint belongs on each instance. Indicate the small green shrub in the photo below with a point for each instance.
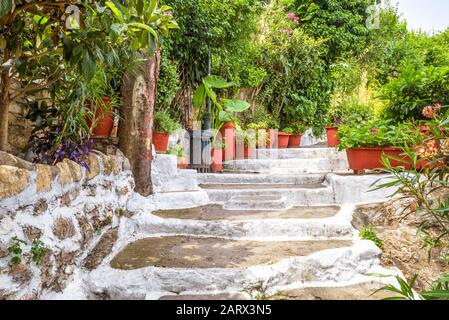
(177, 150)
(38, 251)
(164, 123)
(16, 250)
(287, 130)
(369, 233)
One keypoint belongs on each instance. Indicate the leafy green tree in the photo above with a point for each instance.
(341, 23)
(223, 26)
(41, 42)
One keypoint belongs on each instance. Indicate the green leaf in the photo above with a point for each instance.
(115, 10)
(139, 7)
(88, 66)
(436, 294)
(235, 105)
(143, 26)
(152, 7)
(217, 82)
(199, 96)
(119, 28)
(6, 7)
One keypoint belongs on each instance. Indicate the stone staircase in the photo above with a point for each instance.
(275, 226)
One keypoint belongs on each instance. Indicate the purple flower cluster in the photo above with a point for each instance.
(293, 17)
(43, 147)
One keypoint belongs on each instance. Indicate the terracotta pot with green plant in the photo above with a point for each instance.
(164, 125)
(284, 138)
(217, 156)
(295, 138)
(178, 151)
(366, 144)
(102, 103)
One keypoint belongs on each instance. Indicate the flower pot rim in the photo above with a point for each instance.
(376, 148)
(331, 127)
(161, 132)
(285, 134)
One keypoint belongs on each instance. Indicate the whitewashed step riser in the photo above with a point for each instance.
(256, 203)
(286, 166)
(295, 197)
(335, 265)
(261, 178)
(302, 153)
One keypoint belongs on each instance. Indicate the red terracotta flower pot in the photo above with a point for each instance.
(332, 139)
(295, 141)
(228, 135)
(160, 141)
(248, 153)
(104, 122)
(182, 163)
(272, 134)
(217, 160)
(369, 158)
(262, 135)
(283, 139)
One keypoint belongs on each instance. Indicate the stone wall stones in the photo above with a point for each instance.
(71, 210)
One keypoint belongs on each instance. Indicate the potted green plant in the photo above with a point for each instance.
(217, 155)
(103, 101)
(247, 139)
(223, 119)
(164, 125)
(284, 137)
(178, 151)
(366, 143)
(295, 138)
(262, 133)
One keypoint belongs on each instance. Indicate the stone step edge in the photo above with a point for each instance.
(152, 282)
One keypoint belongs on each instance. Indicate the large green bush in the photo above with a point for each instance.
(418, 85)
(299, 85)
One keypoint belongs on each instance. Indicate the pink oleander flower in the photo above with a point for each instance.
(287, 31)
(428, 112)
(374, 131)
(293, 17)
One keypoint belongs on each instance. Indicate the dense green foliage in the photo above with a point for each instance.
(164, 123)
(341, 23)
(376, 134)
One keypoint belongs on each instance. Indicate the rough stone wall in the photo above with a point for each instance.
(403, 248)
(75, 213)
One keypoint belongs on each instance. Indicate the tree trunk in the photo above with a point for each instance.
(136, 124)
(4, 111)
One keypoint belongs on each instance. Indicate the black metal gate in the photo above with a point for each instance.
(200, 150)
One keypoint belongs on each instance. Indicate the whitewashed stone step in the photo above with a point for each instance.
(321, 165)
(302, 153)
(300, 179)
(333, 266)
(256, 203)
(296, 195)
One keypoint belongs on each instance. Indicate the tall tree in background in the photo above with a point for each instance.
(224, 26)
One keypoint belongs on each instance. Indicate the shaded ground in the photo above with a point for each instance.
(191, 252)
(216, 212)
